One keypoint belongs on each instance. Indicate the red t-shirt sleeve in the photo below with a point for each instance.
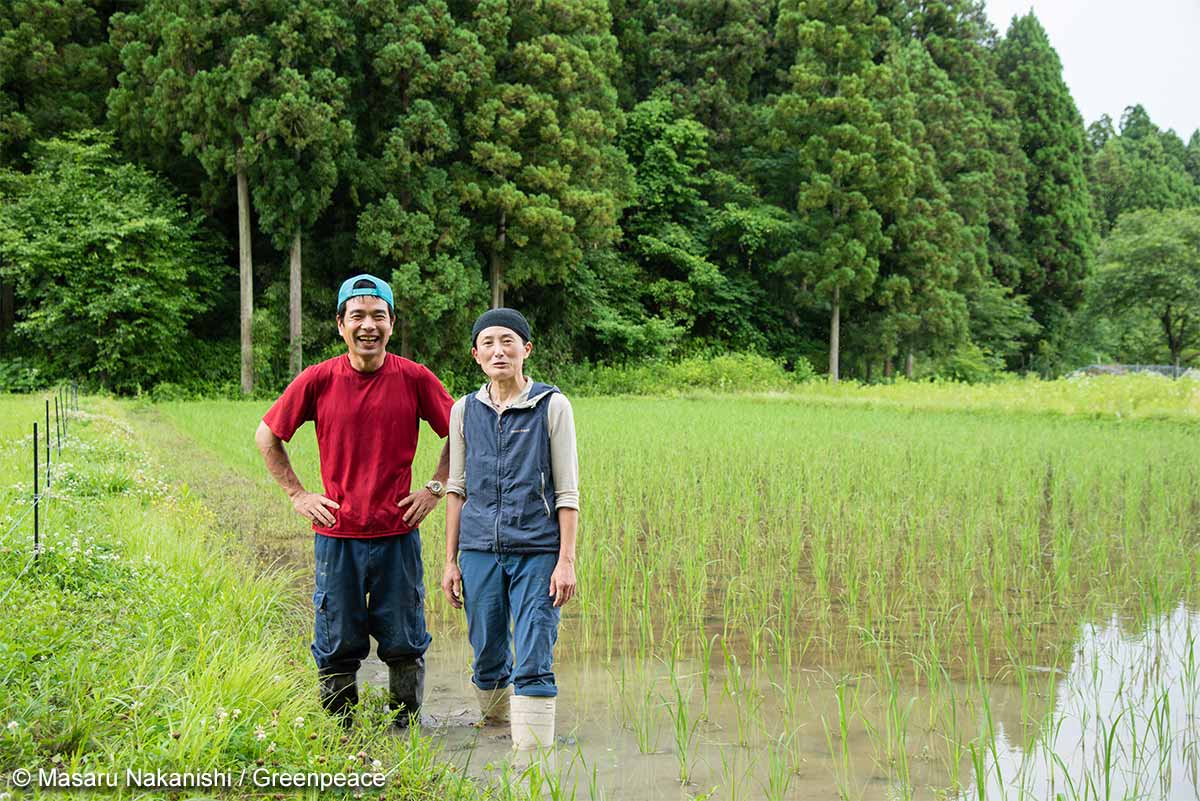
(433, 401)
(293, 408)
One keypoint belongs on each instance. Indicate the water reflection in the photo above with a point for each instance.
(1124, 724)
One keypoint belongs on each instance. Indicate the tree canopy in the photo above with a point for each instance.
(1151, 264)
(864, 187)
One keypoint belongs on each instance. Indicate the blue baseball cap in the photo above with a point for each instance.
(365, 284)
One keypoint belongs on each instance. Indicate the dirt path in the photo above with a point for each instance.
(255, 513)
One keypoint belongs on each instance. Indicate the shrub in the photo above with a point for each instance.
(21, 375)
(105, 262)
(734, 372)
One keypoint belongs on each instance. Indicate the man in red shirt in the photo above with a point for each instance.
(367, 406)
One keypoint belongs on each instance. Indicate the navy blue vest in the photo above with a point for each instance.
(510, 486)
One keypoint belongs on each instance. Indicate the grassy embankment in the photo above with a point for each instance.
(145, 636)
(875, 533)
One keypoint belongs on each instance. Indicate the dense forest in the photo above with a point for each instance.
(869, 188)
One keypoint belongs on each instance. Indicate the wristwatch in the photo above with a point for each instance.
(436, 487)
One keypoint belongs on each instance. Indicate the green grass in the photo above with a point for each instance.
(1128, 397)
(143, 637)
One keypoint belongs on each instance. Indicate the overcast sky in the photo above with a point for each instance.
(1116, 53)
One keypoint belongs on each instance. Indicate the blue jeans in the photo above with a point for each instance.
(368, 587)
(497, 586)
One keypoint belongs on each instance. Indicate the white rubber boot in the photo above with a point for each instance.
(532, 723)
(493, 706)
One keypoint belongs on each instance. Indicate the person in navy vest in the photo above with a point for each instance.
(512, 511)
(367, 405)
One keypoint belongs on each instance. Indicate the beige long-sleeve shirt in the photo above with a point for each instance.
(564, 460)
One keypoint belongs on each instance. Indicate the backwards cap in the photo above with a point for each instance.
(365, 284)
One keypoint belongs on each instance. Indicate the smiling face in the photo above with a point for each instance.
(501, 353)
(366, 326)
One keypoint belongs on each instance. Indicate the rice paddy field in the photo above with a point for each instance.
(862, 595)
(853, 592)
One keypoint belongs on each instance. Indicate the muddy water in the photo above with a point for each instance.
(615, 749)
(1129, 699)
(595, 733)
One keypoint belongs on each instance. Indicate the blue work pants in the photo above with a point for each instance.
(498, 587)
(368, 587)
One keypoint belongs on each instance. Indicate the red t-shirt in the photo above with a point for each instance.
(367, 427)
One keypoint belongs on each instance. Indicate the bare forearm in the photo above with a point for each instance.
(276, 458)
(454, 505)
(443, 466)
(568, 525)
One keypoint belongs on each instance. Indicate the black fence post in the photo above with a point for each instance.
(36, 498)
(47, 444)
(57, 425)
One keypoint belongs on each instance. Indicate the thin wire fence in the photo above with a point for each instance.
(28, 508)
(66, 399)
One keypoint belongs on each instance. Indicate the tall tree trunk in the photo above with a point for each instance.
(8, 306)
(497, 267)
(295, 343)
(246, 273)
(1174, 343)
(405, 339)
(870, 364)
(834, 334)
(889, 369)
(908, 366)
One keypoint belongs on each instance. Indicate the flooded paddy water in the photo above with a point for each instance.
(1119, 721)
(783, 599)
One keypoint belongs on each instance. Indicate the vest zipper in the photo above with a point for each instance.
(499, 453)
(542, 473)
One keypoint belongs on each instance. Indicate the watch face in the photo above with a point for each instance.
(435, 487)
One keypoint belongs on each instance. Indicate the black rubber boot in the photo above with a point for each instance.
(339, 696)
(406, 686)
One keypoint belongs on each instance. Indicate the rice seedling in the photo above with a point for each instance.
(706, 650)
(780, 769)
(637, 709)
(683, 725)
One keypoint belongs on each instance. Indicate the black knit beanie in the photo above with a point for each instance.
(509, 318)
